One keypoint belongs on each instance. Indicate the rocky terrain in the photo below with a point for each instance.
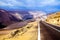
(54, 18)
(7, 19)
(10, 17)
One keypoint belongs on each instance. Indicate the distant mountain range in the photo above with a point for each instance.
(10, 17)
(21, 14)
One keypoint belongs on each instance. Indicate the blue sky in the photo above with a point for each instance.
(43, 5)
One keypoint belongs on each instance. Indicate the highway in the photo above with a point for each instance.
(48, 32)
(38, 30)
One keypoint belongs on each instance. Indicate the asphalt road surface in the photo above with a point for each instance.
(46, 34)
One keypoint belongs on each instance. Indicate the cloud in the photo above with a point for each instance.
(48, 3)
(11, 3)
(29, 3)
(5, 4)
(15, 2)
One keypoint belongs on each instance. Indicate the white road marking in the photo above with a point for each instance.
(39, 36)
(52, 27)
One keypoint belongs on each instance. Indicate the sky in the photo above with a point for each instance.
(41, 5)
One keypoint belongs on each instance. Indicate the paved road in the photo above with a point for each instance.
(48, 33)
(44, 33)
